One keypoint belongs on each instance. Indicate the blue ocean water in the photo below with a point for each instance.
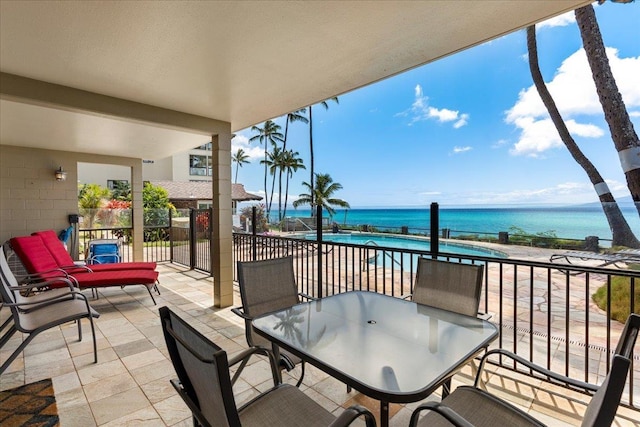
(565, 222)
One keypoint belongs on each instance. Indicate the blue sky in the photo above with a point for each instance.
(470, 129)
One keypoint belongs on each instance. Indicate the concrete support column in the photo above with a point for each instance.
(138, 211)
(222, 238)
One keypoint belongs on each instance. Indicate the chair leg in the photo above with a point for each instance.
(93, 333)
(79, 329)
(18, 350)
(302, 365)
(151, 295)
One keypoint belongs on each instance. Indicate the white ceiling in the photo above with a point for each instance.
(238, 62)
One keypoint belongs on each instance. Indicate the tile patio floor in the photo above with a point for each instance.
(130, 384)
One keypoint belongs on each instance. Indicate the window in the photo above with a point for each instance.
(113, 183)
(204, 205)
(199, 165)
(208, 146)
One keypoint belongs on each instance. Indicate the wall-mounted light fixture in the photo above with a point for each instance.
(60, 174)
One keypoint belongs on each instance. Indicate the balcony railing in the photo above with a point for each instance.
(545, 311)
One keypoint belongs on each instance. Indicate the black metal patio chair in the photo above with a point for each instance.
(471, 406)
(204, 384)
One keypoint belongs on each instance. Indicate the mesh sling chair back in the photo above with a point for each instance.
(205, 386)
(37, 313)
(266, 286)
(451, 286)
(469, 405)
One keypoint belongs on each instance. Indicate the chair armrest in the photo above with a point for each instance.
(352, 413)
(243, 358)
(547, 373)
(306, 296)
(444, 411)
(80, 268)
(46, 301)
(485, 316)
(29, 286)
(240, 312)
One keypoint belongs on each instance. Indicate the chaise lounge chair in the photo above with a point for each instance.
(64, 260)
(606, 259)
(37, 260)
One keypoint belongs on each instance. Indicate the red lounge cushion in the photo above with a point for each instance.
(34, 255)
(63, 259)
(115, 278)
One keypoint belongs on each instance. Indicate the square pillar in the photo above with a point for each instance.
(138, 211)
(222, 237)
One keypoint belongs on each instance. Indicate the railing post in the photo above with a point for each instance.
(435, 226)
(192, 238)
(254, 248)
(170, 236)
(319, 240)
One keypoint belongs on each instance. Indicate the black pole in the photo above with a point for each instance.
(319, 240)
(170, 236)
(435, 226)
(254, 247)
(192, 238)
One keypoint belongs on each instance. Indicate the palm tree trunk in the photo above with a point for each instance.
(622, 234)
(265, 180)
(284, 150)
(311, 193)
(623, 134)
(286, 196)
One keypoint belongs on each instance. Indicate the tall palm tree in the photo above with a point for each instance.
(290, 164)
(294, 116)
(323, 194)
(326, 107)
(268, 133)
(240, 158)
(272, 163)
(624, 136)
(622, 234)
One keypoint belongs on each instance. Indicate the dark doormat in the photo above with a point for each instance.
(29, 405)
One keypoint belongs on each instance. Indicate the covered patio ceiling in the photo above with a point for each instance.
(149, 79)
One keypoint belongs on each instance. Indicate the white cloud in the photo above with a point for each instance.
(559, 21)
(634, 113)
(252, 150)
(457, 149)
(421, 110)
(574, 93)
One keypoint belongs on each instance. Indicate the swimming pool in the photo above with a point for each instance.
(402, 242)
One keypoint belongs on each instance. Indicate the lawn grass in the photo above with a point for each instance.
(620, 297)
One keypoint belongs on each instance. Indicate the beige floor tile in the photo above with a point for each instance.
(144, 358)
(146, 417)
(159, 389)
(126, 402)
(148, 373)
(172, 410)
(109, 386)
(76, 416)
(100, 371)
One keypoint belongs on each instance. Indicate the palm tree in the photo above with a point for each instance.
(322, 194)
(294, 116)
(326, 107)
(240, 158)
(622, 234)
(290, 164)
(268, 133)
(624, 136)
(272, 163)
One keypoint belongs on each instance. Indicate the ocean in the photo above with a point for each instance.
(564, 222)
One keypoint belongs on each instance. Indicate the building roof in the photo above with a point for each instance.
(151, 79)
(201, 190)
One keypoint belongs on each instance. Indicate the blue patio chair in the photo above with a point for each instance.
(104, 251)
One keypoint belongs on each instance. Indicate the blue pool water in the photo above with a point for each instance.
(394, 260)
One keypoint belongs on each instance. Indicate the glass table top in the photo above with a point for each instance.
(386, 347)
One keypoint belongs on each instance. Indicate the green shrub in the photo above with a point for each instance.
(620, 298)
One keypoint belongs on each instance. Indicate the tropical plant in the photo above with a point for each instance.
(322, 195)
(121, 191)
(90, 198)
(156, 204)
(624, 136)
(621, 232)
(273, 162)
(268, 133)
(291, 162)
(311, 158)
(294, 116)
(240, 158)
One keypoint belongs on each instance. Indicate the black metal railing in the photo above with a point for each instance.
(157, 249)
(544, 311)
